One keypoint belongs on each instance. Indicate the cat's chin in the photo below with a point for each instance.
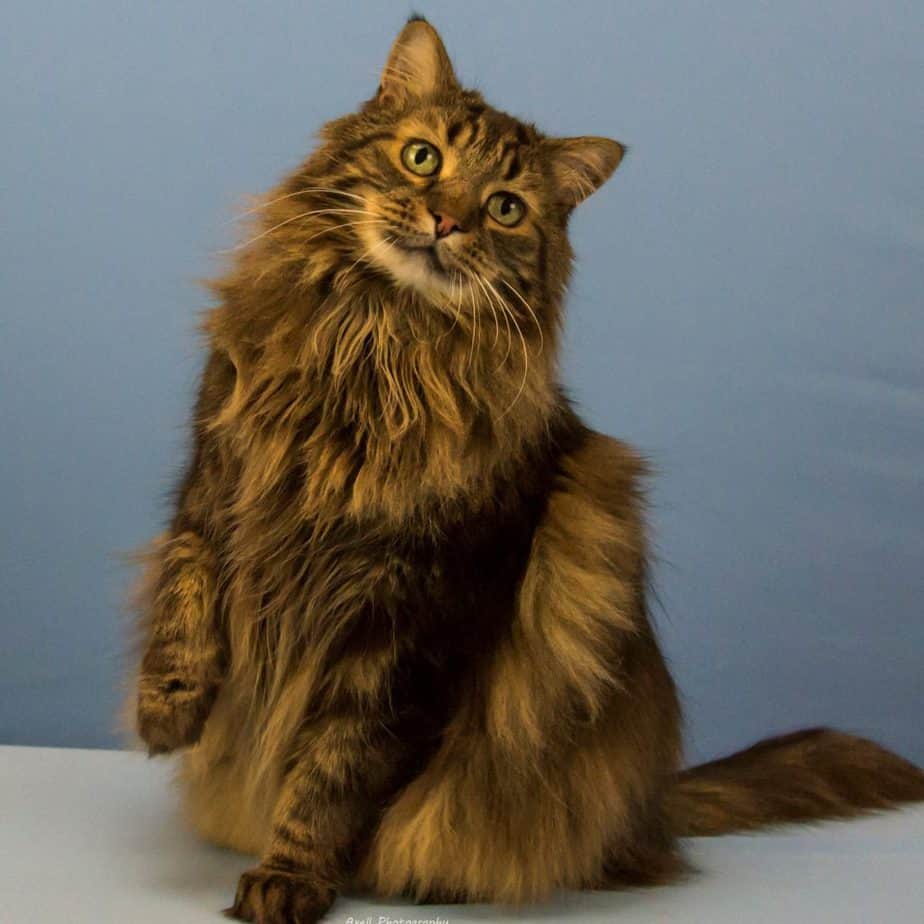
(414, 267)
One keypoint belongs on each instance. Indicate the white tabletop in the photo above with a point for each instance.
(91, 836)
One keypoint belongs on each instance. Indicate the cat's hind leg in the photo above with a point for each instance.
(550, 774)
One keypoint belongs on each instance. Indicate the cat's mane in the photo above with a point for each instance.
(401, 410)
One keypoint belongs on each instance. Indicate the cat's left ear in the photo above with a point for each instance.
(582, 165)
(418, 66)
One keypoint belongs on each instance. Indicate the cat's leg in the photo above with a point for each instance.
(550, 774)
(183, 659)
(343, 770)
(182, 663)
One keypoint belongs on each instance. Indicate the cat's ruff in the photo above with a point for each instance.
(398, 622)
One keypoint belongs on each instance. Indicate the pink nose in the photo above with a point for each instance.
(445, 224)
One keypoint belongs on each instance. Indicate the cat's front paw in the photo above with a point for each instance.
(171, 711)
(272, 896)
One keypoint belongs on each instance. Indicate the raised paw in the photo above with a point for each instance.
(171, 711)
(272, 896)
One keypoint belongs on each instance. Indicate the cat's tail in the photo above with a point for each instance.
(805, 776)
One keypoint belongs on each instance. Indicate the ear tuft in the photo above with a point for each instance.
(582, 165)
(418, 66)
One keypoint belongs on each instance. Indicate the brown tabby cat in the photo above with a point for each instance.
(399, 618)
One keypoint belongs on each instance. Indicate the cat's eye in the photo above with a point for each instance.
(506, 208)
(421, 157)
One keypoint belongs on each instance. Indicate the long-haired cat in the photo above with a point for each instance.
(398, 622)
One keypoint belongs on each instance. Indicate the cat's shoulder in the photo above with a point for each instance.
(607, 472)
(594, 515)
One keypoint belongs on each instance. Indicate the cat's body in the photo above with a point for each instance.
(418, 686)
(400, 614)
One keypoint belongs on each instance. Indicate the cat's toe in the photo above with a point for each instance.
(271, 896)
(171, 713)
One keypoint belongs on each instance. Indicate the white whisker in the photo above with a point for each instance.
(368, 253)
(471, 353)
(298, 192)
(290, 220)
(531, 312)
(525, 367)
(455, 281)
(349, 224)
(481, 282)
(505, 309)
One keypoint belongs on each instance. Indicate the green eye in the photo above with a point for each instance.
(421, 158)
(506, 208)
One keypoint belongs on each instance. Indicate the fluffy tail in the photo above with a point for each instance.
(805, 776)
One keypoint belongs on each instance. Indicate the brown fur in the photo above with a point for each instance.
(817, 773)
(398, 620)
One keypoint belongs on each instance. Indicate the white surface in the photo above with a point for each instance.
(91, 836)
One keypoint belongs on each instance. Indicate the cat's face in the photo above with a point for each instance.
(461, 194)
(457, 200)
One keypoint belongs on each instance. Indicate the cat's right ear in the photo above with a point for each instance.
(582, 165)
(418, 66)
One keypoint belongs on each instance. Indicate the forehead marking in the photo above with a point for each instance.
(510, 165)
(475, 126)
(353, 147)
(452, 132)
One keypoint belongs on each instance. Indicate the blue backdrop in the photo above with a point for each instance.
(747, 309)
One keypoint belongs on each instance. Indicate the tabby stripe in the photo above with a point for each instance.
(514, 168)
(358, 145)
(290, 838)
(543, 258)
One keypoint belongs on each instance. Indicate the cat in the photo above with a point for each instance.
(398, 624)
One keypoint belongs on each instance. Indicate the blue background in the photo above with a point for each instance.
(747, 309)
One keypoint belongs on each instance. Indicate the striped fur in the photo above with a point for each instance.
(398, 621)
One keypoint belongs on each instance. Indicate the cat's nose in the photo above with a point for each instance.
(445, 224)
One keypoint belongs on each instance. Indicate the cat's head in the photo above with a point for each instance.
(444, 195)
